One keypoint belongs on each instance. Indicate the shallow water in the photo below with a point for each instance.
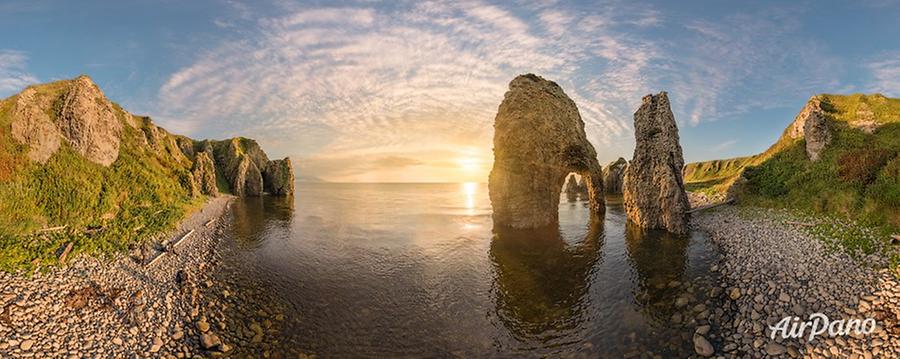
(416, 270)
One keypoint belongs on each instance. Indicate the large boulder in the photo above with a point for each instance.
(654, 193)
(539, 138)
(204, 172)
(279, 177)
(75, 111)
(614, 176)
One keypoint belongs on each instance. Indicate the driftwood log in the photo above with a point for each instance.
(708, 206)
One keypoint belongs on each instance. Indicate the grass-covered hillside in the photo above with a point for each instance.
(857, 176)
(51, 198)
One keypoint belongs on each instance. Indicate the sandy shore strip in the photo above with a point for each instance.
(772, 268)
(92, 308)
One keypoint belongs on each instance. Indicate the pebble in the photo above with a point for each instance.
(702, 346)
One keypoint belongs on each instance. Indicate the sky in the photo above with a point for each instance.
(406, 91)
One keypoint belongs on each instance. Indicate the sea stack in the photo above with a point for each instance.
(653, 186)
(279, 177)
(614, 176)
(539, 139)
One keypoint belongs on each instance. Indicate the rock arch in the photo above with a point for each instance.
(539, 139)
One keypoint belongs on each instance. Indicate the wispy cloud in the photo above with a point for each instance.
(13, 73)
(383, 81)
(745, 62)
(356, 83)
(885, 72)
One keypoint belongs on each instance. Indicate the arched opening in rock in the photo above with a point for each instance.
(539, 140)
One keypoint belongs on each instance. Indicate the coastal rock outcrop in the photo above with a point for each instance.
(88, 121)
(204, 172)
(810, 124)
(246, 180)
(539, 139)
(654, 193)
(614, 176)
(241, 161)
(279, 177)
(817, 135)
(813, 107)
(82, 116)
(33, 127)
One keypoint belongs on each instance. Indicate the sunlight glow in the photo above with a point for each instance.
(469, 189)
(469, 164)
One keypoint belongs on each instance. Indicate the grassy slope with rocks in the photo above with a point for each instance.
(857, 177)
(145, 192)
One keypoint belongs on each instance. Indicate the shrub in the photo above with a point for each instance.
(860, 167)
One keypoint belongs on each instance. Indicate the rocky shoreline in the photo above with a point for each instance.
(771, 269)
(185, 305)
(176, 307)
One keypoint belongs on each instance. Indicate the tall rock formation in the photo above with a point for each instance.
(279, 177)
(653, 187)
(817, 135)
(204, 172)
(614, 176)
(248, 170)
(810, 124)
(81, 116)
(539, 138)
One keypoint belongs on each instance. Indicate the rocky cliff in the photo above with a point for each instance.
(838, 156)
(71, 158)
(653, 186)
(74, 112)
(539, 139)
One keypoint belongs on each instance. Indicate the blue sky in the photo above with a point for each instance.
(407, 91)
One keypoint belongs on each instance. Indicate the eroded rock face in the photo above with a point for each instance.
(817, 135)
(279, 177)
(614, 176)
(653, 185)
(88, 121)
(246, 179)
(539, 138)
(204, 172)
(813, 107)
(32, 126)
(84, 118)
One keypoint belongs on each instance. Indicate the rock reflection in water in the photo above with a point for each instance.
(252, 216)
(541, 282)
(659, 259)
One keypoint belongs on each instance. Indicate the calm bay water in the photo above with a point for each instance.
(416, 270)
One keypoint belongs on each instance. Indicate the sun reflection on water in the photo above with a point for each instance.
(470, 189)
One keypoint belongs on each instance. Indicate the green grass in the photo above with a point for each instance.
(105, 209)
(856, 179)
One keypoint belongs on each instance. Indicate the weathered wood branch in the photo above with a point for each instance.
(708, 206)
